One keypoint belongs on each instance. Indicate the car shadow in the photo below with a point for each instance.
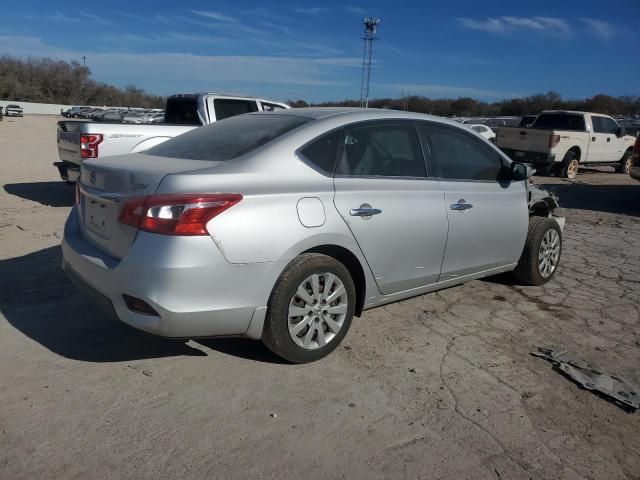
(617, 199)
(242, 348)
(52, 194)
(38, 300)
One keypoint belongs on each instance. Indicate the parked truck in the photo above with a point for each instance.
(80, 140)
(559, 142)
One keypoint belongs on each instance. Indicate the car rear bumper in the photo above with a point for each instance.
(186, 280)
(635, 172)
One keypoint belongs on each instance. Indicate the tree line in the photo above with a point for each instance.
(44, 80)
(470, 107)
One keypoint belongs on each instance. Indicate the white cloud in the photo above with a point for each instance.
(165, 72)
(600, 28)
(214, 15)
(312, 11)
(354, 9)
(506, 24)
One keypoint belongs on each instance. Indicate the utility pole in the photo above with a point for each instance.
(370, 27)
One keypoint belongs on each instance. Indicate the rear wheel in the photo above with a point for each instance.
(570, 165)
(310, 309)
(542, 250)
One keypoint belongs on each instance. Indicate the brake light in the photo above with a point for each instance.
(89, 145)
(180, 214)
(554, 140)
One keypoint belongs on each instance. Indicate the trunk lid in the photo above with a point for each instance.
(106, 184)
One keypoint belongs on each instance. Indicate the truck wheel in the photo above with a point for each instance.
(310, 309)
(542, 251)
(570, 165)
(625, 163)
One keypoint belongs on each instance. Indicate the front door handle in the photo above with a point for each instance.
(461, 205)
(364, 212)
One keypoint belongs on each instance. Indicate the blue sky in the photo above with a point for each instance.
(313, 50)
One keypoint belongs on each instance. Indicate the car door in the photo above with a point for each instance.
(488, 215)
(615, 145)
(600, 144)
(394, 210)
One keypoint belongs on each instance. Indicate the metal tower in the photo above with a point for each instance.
(370, 27)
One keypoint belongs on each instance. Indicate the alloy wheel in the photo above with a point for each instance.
(549, 253)
(317, 310)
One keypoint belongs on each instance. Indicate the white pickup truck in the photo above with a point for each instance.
(79, 140)
(561, 141)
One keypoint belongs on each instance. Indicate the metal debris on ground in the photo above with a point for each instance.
(621, 392)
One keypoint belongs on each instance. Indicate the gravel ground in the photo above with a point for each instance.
(438, 386)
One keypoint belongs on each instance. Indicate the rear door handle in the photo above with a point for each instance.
(461, 205)
(364, 212)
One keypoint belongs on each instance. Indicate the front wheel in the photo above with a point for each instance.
(310, 309)
(625, 163)
(542, 250)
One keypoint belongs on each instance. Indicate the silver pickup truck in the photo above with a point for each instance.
(79, 140)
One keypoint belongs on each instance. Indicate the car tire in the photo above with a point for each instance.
(570, 165)
(318, 332)
(542, 252)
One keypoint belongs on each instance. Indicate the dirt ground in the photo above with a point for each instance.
(438, 386)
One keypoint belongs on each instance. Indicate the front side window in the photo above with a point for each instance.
(271, 107)
(458, 156)
(604, 125)
(381, 149)
(226, 107)
(321, 153)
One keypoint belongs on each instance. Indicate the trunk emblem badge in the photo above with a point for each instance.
(92, 177)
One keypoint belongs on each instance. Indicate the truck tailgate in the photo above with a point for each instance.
(523, 139)
(69, 141)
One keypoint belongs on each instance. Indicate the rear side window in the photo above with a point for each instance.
(560, 121)
(458, 156)
(228, 139)
(182, 111)
(226, 107)
(321, 153)
(381, 149)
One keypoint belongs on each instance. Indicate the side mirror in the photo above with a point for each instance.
(620, 132)
(521, 171)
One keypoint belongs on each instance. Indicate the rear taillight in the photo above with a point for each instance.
(181, 214)
(554, 140)
(89, 145)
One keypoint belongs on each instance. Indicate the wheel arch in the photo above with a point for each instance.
(577, 150)
(351, 262)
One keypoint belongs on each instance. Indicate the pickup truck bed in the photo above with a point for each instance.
(119, 140)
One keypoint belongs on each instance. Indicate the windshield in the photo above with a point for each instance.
(560, 121)
(229, 138)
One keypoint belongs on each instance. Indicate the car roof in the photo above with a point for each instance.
(355, 114)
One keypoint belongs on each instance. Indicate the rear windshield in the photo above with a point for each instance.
(228, 139)
(560, 121)
(182, 110)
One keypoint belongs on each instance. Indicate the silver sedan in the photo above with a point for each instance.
(283, 226)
